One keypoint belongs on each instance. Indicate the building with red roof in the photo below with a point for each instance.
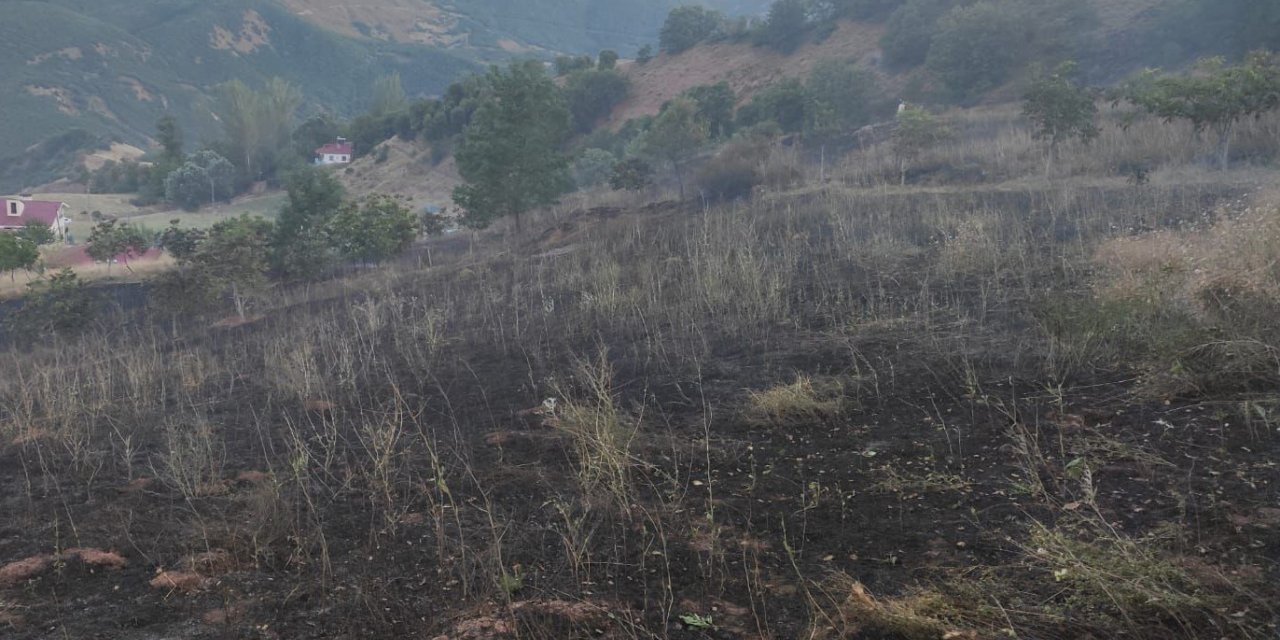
(20, 211)
(340, 152)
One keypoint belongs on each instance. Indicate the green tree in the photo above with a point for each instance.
(510, 155)
(841, 96)
(917, 131)
(608, 60)
(715, 105)
(644, 55)
(232, 259)
(111, 240)
(169, 135)
(256, 124)
(181, 243)
(592, 95)
(784, 103)
(676, 135)
(37, 233)
(909, 31)
(687, 26)
(61, 304)
(566, 65)
(1061, 109)
(786, 25)
(593, 168)
(975, 49)
(1214, 96)
(17, 253)
(633, 174)
(388, 96)
(205, 177)
(300, 248)
(379, 228)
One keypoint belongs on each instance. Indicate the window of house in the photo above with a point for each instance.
(13, 208)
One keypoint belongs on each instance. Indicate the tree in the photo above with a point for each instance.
(256, 124)
(1061, 109)
(593, 168)
(608, 60)
(1213, 96)
(785, 27)
(975, 48)
(675, 136)
(566, 65)
(233, 258)
(909, 31)
(783, 103)
(17, 253)
(592, 95)
(205, 177)
(299, 245)
(181, 243)
(841, 96)
(644, 55)
(62, 304)
(510, 154)
(388, 96)
(714, 106)
(379, 228)
(112, 240)
(169, 135)
(633, 174)
(687, 26)
(917, 131)
(37, 233)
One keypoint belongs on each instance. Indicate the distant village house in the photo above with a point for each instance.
(339, 152)
(22, 210)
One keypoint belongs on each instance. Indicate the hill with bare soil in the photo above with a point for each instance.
(748, 69)
(405, 169)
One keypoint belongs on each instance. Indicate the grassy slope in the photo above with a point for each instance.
(166, 49)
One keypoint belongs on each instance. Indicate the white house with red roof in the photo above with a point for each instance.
(20, 211)
(340, 152)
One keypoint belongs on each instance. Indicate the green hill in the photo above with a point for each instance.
(112, 68)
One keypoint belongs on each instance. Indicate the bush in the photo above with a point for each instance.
(975, 49)
(593, 168)
(592, 95)
(631, 175)
(909, 32)
(61, 305)
(786, 26)
(729, 177)
(688, 26)
(783, 103)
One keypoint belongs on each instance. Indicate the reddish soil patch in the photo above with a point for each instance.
(183, 581)
(16, 573)
(98, 558)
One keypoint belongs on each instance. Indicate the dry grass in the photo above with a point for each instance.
(800, 403)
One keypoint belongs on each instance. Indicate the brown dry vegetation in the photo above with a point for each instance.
(981, 405)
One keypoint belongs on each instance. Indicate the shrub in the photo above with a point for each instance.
(727, 178)
(975, 49)
(631, 175)
(62, 304)
(786, 25)
(687, 26)
(910, 30)
(592, 95)
(593, 168)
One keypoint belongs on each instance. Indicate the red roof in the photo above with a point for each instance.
(42, 211)
(340, 148)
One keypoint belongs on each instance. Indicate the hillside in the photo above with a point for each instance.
(748, 69)
(506, 26)
(111, 69)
